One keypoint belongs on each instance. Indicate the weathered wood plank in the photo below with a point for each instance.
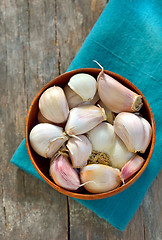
(30, 209)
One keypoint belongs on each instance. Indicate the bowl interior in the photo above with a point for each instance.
(42, 165)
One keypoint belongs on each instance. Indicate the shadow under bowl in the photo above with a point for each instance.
(42, 165)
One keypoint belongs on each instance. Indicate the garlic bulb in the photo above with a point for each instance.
(131, 167)
(116, 96)
(79, 150)
(133, 131)
(46, 139)
(109, 114)
(102, 137)
(63, 174)
(98, 178)
(72, 98)
(53, 105)
(119, 154)
(84, 85)
(84, 118)
(42, 119)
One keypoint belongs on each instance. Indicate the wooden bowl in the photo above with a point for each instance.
(42, 165)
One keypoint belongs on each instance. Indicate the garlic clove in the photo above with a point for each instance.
(53, 105)
(110, 115)
(94, 100)
(129, 127)
(63, 174)
(116, 96)
(119, 154)
(131, 167)
(46, 139)
(84, 118)
(42, 119)
(147, 134)
(72, 98)
(84, 85)
(102, 137)
(79, 150)
(98, 178)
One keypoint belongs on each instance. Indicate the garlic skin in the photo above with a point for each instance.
(98, 178)
(63, 174)
(84, 85)
(102, 137)
(132, 131)
(109, 114)
(53, 105)
(83, 118)
(72, 98)
(147, 134)
(42, 119)
(79, 150)
(116, 96)
(119, 154)
(46, 139)
(95, 99)
(131, 167)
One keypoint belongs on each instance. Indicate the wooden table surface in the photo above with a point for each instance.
(38, 40)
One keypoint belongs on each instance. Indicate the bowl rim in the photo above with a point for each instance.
(98, 195)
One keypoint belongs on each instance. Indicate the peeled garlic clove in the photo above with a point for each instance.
(84, 118)
(53, 105)
(117, 97)
(131, 167)
(84, 85)
(79, 150)
(109, 114)
(119, 154)
(63, 174)
(102, 137)
(129, 127)
(72, 98)
(98, 178)
(42, 119)
(46, 139)
(147, 134)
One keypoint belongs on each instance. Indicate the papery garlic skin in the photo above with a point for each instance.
(109, 114)
(147, 134)
(119, 154)
(116, 96)
(46, 139)
(132, 131)
(131, 167)
(84, 85)
(102, 137)
(79, 150)
(53, 105)
(98, 178)
(83, 118)
(94, 100)
(42, 119)
(63, 174)
(72, 98)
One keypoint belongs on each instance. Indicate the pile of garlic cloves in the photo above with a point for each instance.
(92, 133)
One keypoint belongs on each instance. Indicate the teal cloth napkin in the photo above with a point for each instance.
(127, 39)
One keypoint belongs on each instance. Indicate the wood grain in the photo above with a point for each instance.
(38, 40)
